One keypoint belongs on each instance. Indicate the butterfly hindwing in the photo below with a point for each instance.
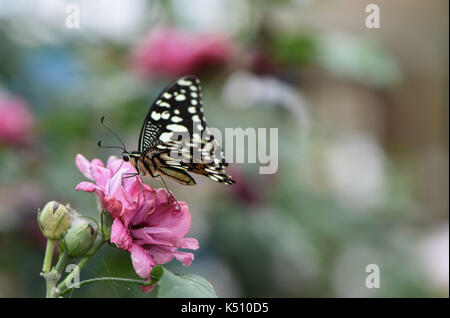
(213, 169)
(177, 174)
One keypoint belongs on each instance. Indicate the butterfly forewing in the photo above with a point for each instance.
(175, 120)
(176, 110)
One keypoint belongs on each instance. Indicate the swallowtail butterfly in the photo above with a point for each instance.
(178, 110)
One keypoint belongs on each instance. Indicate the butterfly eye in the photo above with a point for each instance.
(125, 157)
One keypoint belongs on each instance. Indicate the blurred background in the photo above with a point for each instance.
(362, 118)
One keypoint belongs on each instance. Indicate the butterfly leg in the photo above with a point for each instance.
(131, 175)
(168, 191)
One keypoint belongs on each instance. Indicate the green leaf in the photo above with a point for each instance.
(294, 49)
(172, 285)
(156, 274)
(358, 59)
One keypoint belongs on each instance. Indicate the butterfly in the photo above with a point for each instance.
(178, 112)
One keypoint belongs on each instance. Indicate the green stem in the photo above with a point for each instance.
(81, 264)
(52, 277)
(50, 285)
(49, 276)
(61, 263)
(48, 255)
(106, 279)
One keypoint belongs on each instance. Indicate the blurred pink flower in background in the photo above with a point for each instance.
(16, 121)
(171, 52)
(245, 190)
(151, 229)
(251, 190)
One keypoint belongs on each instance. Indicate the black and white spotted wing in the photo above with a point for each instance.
(176, 109)
(178, 112)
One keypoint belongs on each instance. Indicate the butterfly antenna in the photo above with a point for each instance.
(112, 132)
(113, 147)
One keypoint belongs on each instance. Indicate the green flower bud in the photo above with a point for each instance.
(79, 238)
(94, 248)
(54, 220)
(106, 224)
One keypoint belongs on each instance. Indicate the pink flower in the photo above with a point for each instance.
(171, 52)
(151, 229)
(16, 121)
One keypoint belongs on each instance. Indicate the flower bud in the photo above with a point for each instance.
(79, 237)
(54, 220)
(106, 224)
(95, 245)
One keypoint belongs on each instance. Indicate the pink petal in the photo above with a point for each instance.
(113, 185)
(127, 215)
(113, 163)
(97, 162)
(145, 209)
(147, 289)
(119, 235)
(161, 255)
(163, 199)
(190, 243)
(133, 193)
(101, 176)
(153, 230)
(185, 258)
(143, 237)
(112, 205)
(142, 261)
(151, 241)
(86, 186)
(178, 222)
(84, 166)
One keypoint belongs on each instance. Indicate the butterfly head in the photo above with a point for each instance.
(132, 157)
